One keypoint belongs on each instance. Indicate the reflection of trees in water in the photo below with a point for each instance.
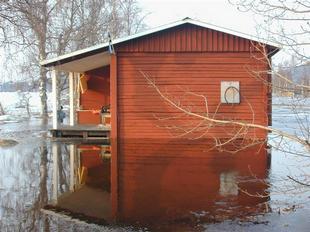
(25, 186)
(63, 162)
(22, 201)
(42, 196)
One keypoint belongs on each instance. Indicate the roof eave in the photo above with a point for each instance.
(80, 54)
(103, 47)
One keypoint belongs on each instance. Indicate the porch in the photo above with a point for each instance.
(91, 99)
(84, 133)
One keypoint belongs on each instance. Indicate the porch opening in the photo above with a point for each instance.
(89, 116)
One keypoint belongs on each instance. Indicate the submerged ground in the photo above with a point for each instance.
(26, 173)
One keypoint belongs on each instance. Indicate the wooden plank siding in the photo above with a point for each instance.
(96, 96)
(195, 58)
(177, 73)
(188, 38)
(186, 58)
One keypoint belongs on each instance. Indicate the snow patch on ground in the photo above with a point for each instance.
(298, 101)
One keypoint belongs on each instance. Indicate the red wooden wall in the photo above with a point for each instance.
(182, 59)
(96, 96)
(151, 162)
(178, 73)
(189, 38)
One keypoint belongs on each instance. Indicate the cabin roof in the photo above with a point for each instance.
(98, 55)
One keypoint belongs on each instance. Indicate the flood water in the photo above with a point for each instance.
(48, 186)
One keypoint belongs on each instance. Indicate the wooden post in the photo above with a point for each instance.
(77, 91)
(54, 99)
(56, 153)
(71, 99)
(113, 134)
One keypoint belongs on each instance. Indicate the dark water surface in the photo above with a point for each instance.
(46, 186)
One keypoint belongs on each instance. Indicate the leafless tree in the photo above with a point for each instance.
(207, 119)
(191, 121)
(40, 29)
(30, 21)
(132, 16)
(24, 101)
(285, 22)
(291, 79)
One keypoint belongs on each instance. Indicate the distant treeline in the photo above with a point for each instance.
(294, 80)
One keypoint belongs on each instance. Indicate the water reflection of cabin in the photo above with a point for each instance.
(155, 191)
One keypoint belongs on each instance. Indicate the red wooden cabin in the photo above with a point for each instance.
(184, 59)
(185, 56)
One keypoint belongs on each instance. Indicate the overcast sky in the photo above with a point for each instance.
(160, 12)
(218, 12)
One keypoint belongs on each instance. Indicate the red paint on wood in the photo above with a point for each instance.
(96, 96)
(187, 38)
(177, 73)
(90, 158)
(185, 58)
(87, 117)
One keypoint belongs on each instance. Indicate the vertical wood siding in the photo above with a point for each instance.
(188, 38)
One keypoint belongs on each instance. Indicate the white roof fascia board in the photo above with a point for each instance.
(75, 53)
